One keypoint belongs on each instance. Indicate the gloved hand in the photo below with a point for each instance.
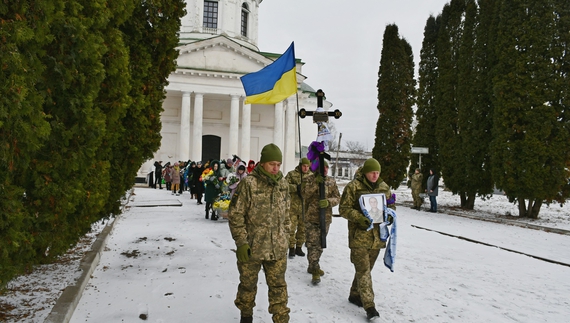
(324, 203)
(363, 222)
(299, 191)
(319, 178)
(243, 252)
(390, 219)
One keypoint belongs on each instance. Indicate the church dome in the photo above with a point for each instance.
(235, 19)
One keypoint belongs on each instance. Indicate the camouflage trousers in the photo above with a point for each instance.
(297, 232)
(417, 199)
(314, 249)
(363, 260)
(275, 278)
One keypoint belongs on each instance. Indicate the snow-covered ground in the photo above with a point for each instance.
(172, 265)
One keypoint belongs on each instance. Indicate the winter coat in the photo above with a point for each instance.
(311, 193)
(212, 191)
(175, 175)
(158, 168)
(294, 179)
(350, 209)
(417, 180)
(198, 185)
(432, 185)
(258, 216)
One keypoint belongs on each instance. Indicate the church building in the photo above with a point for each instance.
(204, 113)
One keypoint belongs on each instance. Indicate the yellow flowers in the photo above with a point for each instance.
(222, 205)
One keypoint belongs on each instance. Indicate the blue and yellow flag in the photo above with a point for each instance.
(274, 83)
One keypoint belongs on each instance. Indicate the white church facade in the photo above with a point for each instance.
(204, 113)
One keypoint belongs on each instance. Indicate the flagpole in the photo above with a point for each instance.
(300, 156)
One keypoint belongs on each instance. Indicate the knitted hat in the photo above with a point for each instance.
(326, 163)
(370, 165)
(304, 161)
(229, 161)
(271, 153)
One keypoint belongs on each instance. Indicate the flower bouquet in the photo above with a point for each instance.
(221, 205)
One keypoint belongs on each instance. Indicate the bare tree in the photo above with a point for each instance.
(355, 147)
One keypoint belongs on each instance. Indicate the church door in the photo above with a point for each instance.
(211, 146)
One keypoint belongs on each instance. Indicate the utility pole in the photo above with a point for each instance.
(320, 116)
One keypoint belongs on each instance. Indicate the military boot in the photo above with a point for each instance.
(318, 270)
(246, 319)
(291, 253)
(372, 313)
(299, 252)
(316, 278)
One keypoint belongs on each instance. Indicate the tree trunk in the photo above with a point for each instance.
(470, 203)
(463, 199)
(522, 208)
(535, 208)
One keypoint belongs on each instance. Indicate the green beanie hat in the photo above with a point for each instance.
(304, 161)
(370, 165)
(326, 163)
(271, 153)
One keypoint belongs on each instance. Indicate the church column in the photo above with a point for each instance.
(290, 142)
(184, 150)
(197, 134)
(245, 132)
(234, 126)
(278, 125)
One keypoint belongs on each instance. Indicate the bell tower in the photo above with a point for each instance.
(235, 19)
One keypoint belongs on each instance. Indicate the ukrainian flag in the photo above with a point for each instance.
(274, 83)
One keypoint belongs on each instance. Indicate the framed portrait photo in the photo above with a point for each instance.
(374, 205)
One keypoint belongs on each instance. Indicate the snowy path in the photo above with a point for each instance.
(191, 276)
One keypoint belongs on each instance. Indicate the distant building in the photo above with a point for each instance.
(204, 113)
(347, 163)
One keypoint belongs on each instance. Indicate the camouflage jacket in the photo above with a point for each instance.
(294, 179)
(350, 209)
(258, 215)
(311, 194)
(417, 180)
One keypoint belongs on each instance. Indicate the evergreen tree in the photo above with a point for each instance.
(531, 139)
(474, 104)
(426, 114)
(447, 96)
(24, 30)
(396, 95)
(151, 36)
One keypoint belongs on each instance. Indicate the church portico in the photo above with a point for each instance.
(204, 115)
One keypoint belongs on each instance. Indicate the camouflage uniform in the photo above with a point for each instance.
(258, 217)
(311, 194)
(364, 245)
(297, 234)
(417, 180)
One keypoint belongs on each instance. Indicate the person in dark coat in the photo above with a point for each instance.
(198, 185)
(158, 173)
(213, 188)
(432, 189)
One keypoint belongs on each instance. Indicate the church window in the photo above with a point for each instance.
(211, 14)
(244, 16)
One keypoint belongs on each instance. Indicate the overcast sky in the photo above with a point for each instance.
(340, 43)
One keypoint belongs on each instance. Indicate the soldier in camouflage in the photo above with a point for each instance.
(260, 224)
(417, 182)
(311, 194)
(298, 207)
(364, 244)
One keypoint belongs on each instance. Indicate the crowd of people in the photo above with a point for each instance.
(272, 215)
(205, 181)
